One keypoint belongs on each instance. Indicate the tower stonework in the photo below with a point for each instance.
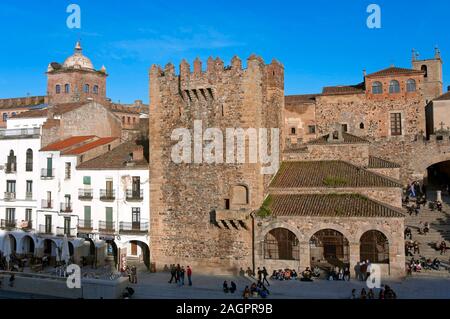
(201, 213)
(433, 78)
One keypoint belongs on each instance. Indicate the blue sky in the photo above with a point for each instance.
(319, 42)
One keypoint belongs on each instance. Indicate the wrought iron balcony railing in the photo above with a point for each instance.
(107, 194)
(133, 227)
(85, 194)
(135, 195)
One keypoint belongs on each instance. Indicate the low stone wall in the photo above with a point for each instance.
(57, 287)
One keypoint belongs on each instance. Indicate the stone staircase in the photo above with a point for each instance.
(439, 231)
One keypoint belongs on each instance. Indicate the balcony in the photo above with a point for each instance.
(11, 168)
(105, 227)
(85, 194)
(66, 207)
(133, 228)
(62, 231)
(85, 226)
(10, 197)
(26, 225)
(29, 167)
(47, 173)
(20, 133)
(135, 195)
(8, 223)
(47, 204)
(46, 230)
(29, 196)
(107, 195)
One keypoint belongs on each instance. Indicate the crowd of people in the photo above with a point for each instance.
(286, 274)
(363, 270)
(179, 273)
(384, 293)
(256, 290)
(417, 265)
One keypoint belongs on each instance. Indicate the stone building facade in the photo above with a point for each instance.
(201, 212)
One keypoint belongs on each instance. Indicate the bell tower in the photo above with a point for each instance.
(433, 81)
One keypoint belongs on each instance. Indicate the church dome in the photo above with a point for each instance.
(78, 60)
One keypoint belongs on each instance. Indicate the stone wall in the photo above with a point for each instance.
(357, 154)
(184, 196)
(90, 119)
(352, 228)
(389, 172)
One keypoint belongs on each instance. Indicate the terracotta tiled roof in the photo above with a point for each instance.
(116, 159)
(394, 71)
(67, 107)
(328, 174)
(299, 99)
(344, 89)
(443, 97)
(89, 146)
(330, 205)
(347, 139)
(32, 114)
(375, 162)
(71, 141)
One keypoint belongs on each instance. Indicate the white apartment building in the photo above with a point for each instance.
(19, 179)
(92, 190)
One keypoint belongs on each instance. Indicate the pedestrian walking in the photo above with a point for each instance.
(259, 274)
(173, 273)
(133, 275)
(189, 275)
(182, 272)
(265, 274)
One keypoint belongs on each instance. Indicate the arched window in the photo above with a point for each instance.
(95, 90)
(377, 88)
(394, 87)
(411, 85)
(240, 195)
(11, 165)
(67, 88)
(29, 161)
(86, 88)
(58, 89)
(281, 244)
(374, 246)
(424, 68)
(123, 119)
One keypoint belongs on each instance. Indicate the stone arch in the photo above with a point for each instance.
(278, 224)
(50, 247)
(27, 245)
(329, 248)
(352, 237)
(281, 244)
(13, 241)
(374, 246)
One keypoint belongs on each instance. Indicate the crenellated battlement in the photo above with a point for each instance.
(216, 69)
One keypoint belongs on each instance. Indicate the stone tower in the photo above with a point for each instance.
(201, 213)
(433, 81)
(75, 80)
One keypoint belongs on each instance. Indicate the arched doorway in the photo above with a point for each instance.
(71, 249)
(138, 252)
(438, 174)
(112, 251)
(374, 246)
(329, 248)
(13, 242)
(281, 244)
(50, 248)
(27, 245)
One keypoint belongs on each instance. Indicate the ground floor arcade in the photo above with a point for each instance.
(296, 242)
